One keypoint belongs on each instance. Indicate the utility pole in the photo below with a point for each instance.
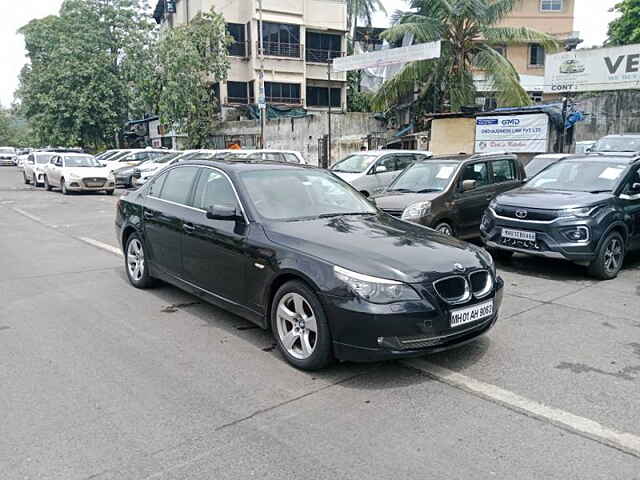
(565, 105)
(262, 100)
(329, 65)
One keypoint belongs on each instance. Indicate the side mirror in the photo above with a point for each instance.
(222, 212)
(381, 169)
(635, 188)
(137, 173)
(469, 185)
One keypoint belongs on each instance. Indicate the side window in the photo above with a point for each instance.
(403, 161)
(503, 171)
(271, 157)
(213, 189)
(178, 184)
(59, 162)
(156, 186)
(633, 180)
(290, 158)
(478, 172)
(30, 159)
(388, 162)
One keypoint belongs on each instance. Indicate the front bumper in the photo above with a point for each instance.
(81, 186)
(550, 239)
(7, 162)
(364, 332)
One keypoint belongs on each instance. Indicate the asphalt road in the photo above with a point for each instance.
(102, 381)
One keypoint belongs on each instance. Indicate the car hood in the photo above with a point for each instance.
(87, 171)
(347, 177)
(400, 201)
(550, 200)
(377, 245)
(124, 170)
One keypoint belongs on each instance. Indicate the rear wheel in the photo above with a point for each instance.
(46, 184)
(610, 258)
(445, 229)
(63, 187)
(135, 263)
(300, 327)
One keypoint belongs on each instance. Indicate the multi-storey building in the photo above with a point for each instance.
(299, 38)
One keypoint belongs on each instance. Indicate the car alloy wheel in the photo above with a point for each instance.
(613, 256)
(46, 184)
(445, 229)
(63, 187)
(610, 258)
(135, 260)
(297, 326)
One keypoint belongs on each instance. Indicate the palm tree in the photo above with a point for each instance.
(361, 10)
(469, 32)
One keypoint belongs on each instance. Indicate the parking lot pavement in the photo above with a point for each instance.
(103, 381)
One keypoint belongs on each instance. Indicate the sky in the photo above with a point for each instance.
(592, 19)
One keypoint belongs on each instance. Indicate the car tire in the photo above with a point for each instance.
(610, 258)
(109, 192)
(34, 180)
(63, 187)
(445, 229)
(135, 264)
(47, 185)
(301, 345)
(26, 180)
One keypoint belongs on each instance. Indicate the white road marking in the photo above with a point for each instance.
(28, 215)
(103, 246)
(626, 442)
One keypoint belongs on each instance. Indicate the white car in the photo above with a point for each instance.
(286, 156)
(371, 172)
(21, 161)
(132, 158)
(75, 172)
(8, 156)
(148, 169)
(34, 167)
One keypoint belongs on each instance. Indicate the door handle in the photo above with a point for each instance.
(148, 214)
(187, 227)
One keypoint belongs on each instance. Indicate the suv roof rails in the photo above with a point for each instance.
(490, 154)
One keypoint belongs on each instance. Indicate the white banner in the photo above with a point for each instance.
(381, 58)
(512, 133)
(616, 68)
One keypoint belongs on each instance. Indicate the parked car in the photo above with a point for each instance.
(8, 156)
(331, 275)
(22, 158)
(584, 209)
(450, 194)
(372, 171)
(75, 172)
(148, 169)
(585, 146)
(35, 167)
(106, 155)
(540, 162)
(286, 156)
(132, 158)
(629, 142)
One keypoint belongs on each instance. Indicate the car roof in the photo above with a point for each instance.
(385, 152)
(556, 156)
(73, 154)
(622, 135)
(622, 157)
(247, 165)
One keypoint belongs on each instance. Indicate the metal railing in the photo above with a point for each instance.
(285, 100)
(239, 49)
(278, 49)
(237, 101)
(317, 55)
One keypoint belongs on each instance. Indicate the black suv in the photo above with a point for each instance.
(585, 209)
(450, 193)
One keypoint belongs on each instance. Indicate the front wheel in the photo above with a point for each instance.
(63, 187)
(109, 192)
(135, 263)
(610, 258)
(445, 229)
(34, 180)
(300, 327)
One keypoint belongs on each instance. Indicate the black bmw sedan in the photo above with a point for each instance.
(298, 251)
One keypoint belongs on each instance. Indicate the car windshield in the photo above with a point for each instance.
(423, 177)
(7, 150)
(618, 144)
(301, 194)
(583, 176)
(81, 162)
(356, 163)
(538, 164)
(43, 158)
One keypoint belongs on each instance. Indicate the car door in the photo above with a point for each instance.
(164, 212)
(470, 205)
(630, 199)
(214, 256)
(29, 166)
(382, 173)
(55, 171)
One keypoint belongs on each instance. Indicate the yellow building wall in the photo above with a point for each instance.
(451, 136)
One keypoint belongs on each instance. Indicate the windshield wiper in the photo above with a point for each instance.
(333, 215)
(428, 190)
(401, 190)
(600, 191)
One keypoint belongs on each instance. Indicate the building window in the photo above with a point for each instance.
(287, 93)
(501, 49)
(281, 40)
(536, 55)
(239, 46)
(551, 5)
(237, 93)
(319, 97)
(322, 47)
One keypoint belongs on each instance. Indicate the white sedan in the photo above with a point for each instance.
(148, 169)
(75, 172)
(34, 167)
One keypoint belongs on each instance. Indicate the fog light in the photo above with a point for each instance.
(577, 234)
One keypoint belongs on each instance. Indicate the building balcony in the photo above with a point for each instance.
(282, 50)
(315, 55)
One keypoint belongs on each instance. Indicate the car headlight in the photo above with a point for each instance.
(375, 290)
(494, 204)
(74, 176)
(578, 212)
(486, 256)
(416, 210)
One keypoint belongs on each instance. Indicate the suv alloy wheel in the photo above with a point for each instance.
(610, 258)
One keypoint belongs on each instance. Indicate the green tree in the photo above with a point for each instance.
(469, 32)
(191, 58)
(82, 80)
(625, 29)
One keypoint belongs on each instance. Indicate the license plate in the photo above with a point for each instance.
(518, 235)
(471, 314)
(91, 184)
